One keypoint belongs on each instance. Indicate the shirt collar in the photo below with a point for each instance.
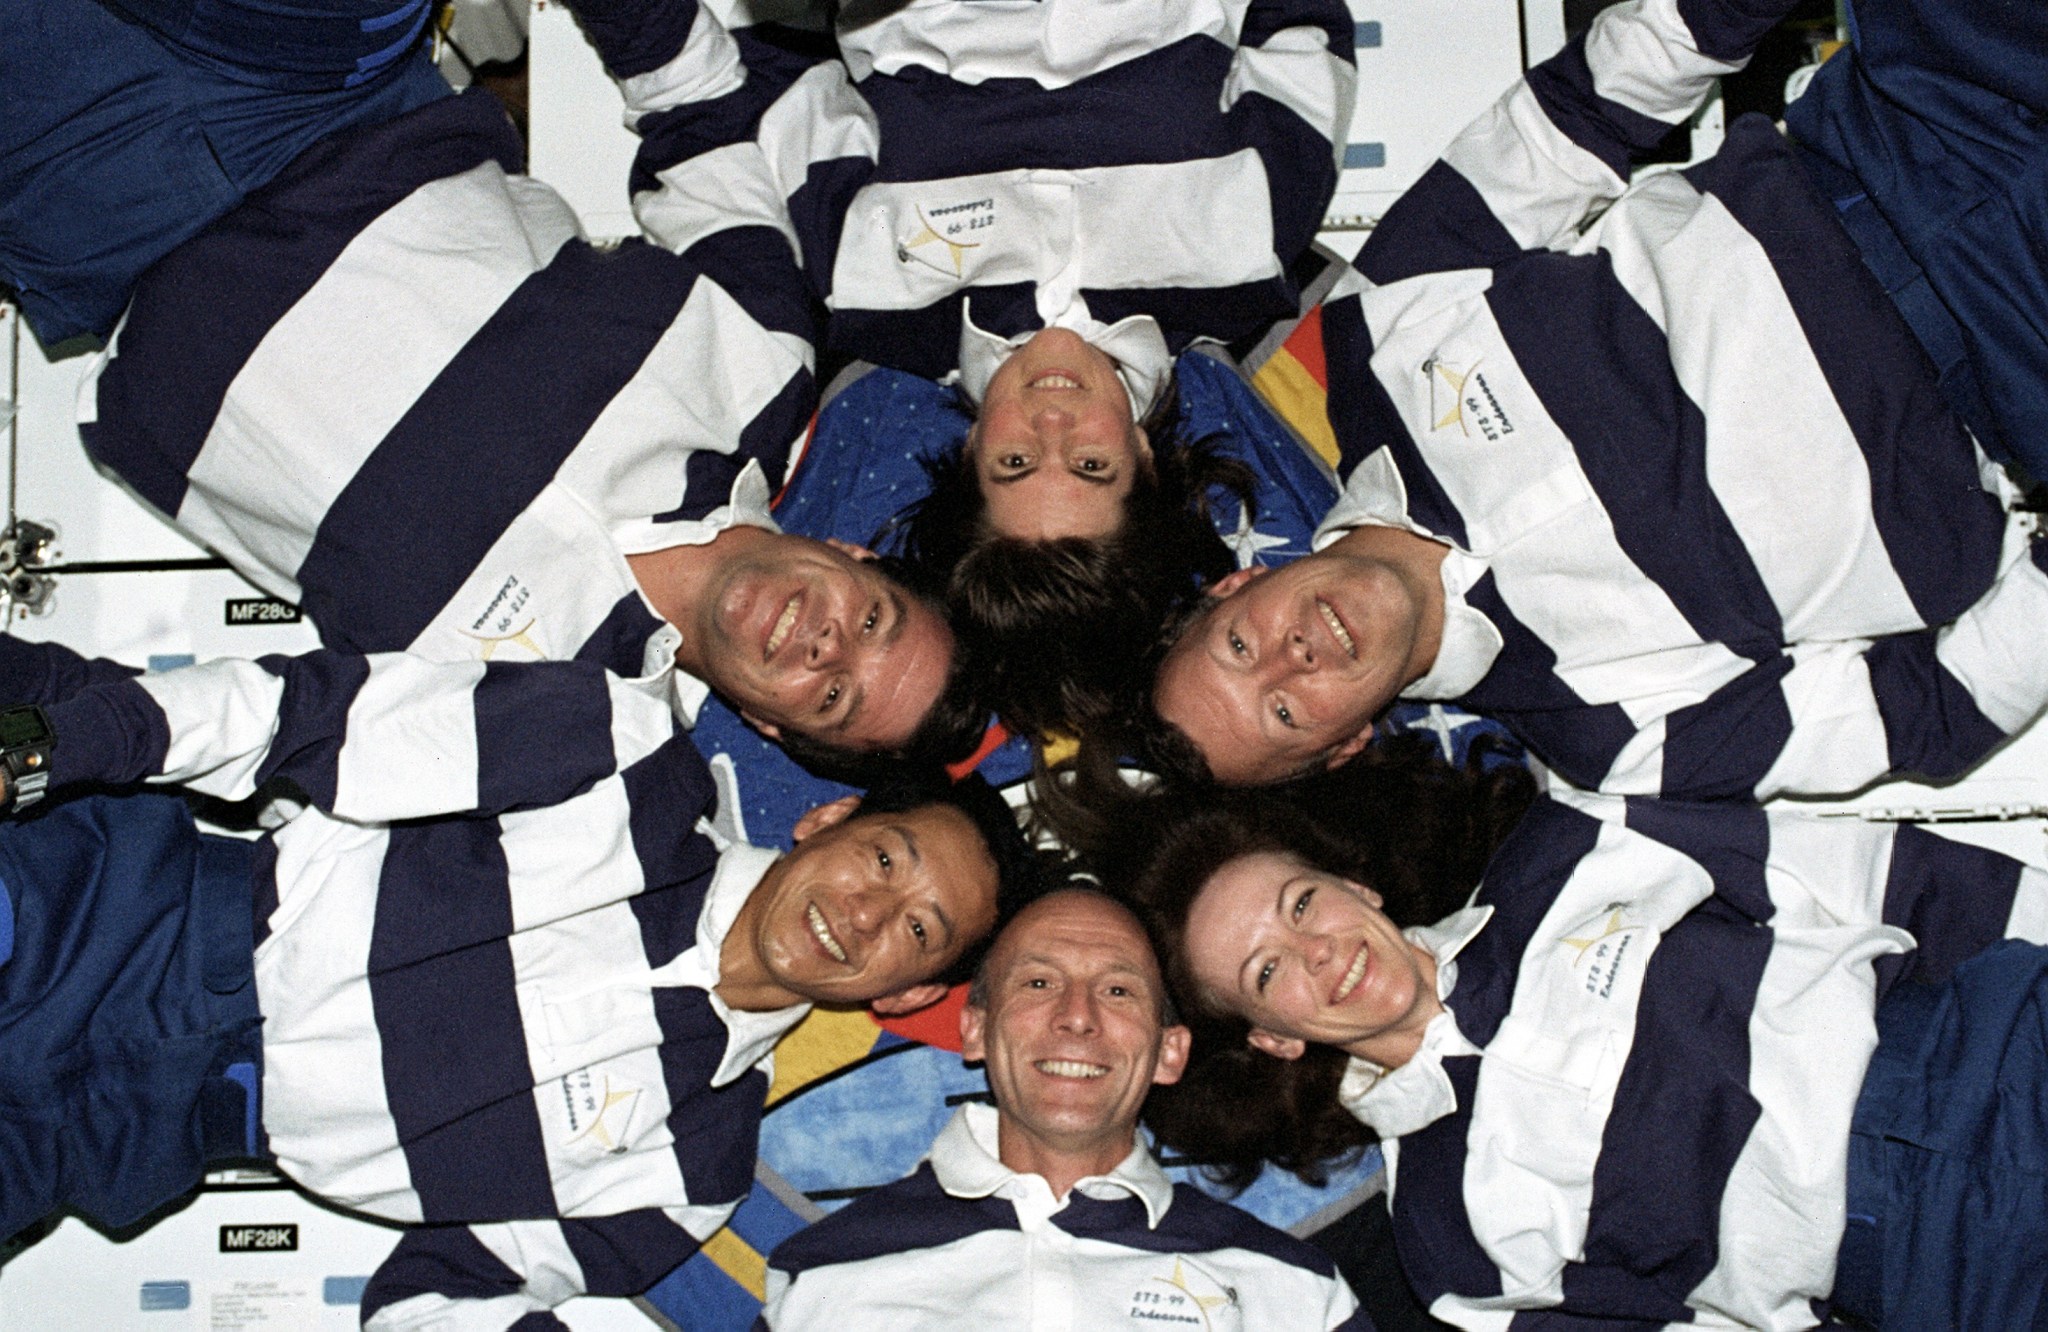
(965, 1162)
(1470, 642)
(1134, 344)
(1393, 1102)
(750, 1036)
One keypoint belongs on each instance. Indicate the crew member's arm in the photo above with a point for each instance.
(1289, 96)
(745, 136)
(489, 1278)
(1528, 173)
(1828, 718)
(373, 739)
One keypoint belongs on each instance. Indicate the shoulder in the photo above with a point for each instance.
(912, 1215)
(1198, 1223)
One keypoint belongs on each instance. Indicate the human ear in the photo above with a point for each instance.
(824, 816)
(848, 548)
(1230, 582)
(767, 728)
(973, 1022)
(908, 999)
(1174, 1042)
(1280, 1047)
(1348, 750)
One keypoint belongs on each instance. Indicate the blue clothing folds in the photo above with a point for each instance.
(130, 1043)
(1935, 123)
(124, 133)
(1948, 1193)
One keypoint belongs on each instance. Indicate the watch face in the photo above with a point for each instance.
(23, 726)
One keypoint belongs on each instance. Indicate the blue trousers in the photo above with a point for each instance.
(1932, 137)
(130, 1042)
(127, 126)
(1948, 1153)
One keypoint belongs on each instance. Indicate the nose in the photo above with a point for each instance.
(1299, 651)
(1076, 1010)
(1051, 420)
(1316, 951)
(867, 911)
(827, 647)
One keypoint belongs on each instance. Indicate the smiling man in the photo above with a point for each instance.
(521, 992)
(1048, 1211)
(1653, 471)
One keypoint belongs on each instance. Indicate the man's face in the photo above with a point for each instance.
(1055, 451)
(1071, 1030)
(1287, 667)
(810, 636)
(872, 906)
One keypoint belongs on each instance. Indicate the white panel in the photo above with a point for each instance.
(1436, 65)
(576, 138)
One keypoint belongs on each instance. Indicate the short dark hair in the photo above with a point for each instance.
(1400, 819)
(1050, 621)
(952, 728)
(1019, 876)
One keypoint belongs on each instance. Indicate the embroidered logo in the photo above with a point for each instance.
(951, 227)
(1464, 399)
(1188, 1298)
(600, 1110)
(1602, 949)
(502, 622)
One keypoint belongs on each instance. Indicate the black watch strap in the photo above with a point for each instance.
(25, 744)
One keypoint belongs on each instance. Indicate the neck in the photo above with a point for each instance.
(1418, 562)
(1060, 1164)
(1398, 1044)
(744, 981)
(678, 580)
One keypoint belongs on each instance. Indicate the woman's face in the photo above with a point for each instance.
(1055, 451)
(1307, 956)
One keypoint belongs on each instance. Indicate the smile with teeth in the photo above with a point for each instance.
(823, 935)
(1054, 379)
(1337, 629)
(783, 625)
(1069, 1068)
(1352, 976)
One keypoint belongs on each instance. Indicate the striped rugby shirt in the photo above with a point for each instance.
(1637, 1104)
(485, 960)
(1069, 162)
(397, 387)
(967, 1242)
(1713, 532)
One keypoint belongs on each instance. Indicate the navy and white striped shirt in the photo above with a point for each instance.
(967, 1242)
(486, 959)
(1688, 458)
(1072, 161)
(1636, 1106)
(397, 387)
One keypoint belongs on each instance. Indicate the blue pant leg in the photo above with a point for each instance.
(1948, 1156)
(1939, 117)
(130, 1042)
(117, 143)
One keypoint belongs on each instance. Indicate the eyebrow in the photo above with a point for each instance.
(1092, 478)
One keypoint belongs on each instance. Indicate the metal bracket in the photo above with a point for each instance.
(26, 550)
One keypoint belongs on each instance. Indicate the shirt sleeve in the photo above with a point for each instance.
(1827, 718)
(374, 738)
(748, 137)
(1534, 167)
(1292, 84)
(487, 1278)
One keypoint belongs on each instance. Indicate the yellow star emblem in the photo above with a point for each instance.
(597, 1129)
(1204, 1303)
(1613, 926)
(1455, 383)
(954, 249)
(490, 643)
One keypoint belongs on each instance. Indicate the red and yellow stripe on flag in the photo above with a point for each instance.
(1295, 382)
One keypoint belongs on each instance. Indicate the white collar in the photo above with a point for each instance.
(965, 1162)
(1418, 1093)
(1470, 641)
(750, 1036)
(1134, 344)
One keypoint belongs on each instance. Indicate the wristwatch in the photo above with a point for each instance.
(25, 744)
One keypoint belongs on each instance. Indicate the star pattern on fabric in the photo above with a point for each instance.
(1444, 725)
(1451, 381)
(490, 643)
(1614, 926)
(1247, 541)
(954, 249)
(1179, 1281)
